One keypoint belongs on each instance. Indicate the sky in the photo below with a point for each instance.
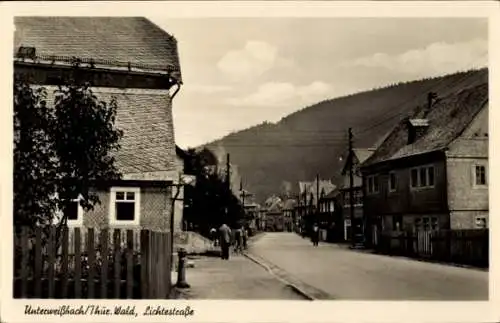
(240, 72)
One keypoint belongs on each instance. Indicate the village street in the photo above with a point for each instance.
(356, 275)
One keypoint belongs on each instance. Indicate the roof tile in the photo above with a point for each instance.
(117, 39)
(447, 119)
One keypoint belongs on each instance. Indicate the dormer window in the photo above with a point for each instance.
(416, 129)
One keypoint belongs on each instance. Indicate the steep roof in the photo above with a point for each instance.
(363, 154)
(311, 189)
(360, 155)
(111, 40)
(332, 194)
(147, 144)
(447, 119)
(289, 204)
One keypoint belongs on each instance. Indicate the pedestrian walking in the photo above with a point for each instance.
(315, 235)
(238, 240)
(225, 240)
(245, 238)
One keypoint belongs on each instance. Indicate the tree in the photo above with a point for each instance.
(60, 150)
(206, 203)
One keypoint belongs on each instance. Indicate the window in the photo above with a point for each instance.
(418, 224)
(372, 184)
(357, 197)
(434, 224)
(426, 223)
(392, 182)
(480, 175)
(125, 205)
(481, 222)
(397, 222)
(73, 212)
(422, 177)
(414, 178)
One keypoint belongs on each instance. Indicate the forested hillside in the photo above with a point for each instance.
(313, 139)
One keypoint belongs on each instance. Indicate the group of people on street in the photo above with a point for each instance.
(227, 238)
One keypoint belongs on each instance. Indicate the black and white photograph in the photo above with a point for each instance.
(246, 158)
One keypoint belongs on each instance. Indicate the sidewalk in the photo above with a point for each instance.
(237, 279)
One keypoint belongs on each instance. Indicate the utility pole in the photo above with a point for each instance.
(317, 197)
(351, 184)
(228, 183)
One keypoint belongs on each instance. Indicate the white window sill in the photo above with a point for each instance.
(75, 223)
(124, 224)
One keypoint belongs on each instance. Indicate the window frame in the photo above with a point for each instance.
(112, 205)
(391, 188)
(419, 170)
(79, 214)
(475, 178)
(422, 222)
(370, 189)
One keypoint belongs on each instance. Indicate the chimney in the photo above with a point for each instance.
(416, 129)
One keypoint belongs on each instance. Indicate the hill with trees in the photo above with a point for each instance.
(313, 140)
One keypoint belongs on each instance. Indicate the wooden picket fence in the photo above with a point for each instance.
(470, 247)
(133, 264)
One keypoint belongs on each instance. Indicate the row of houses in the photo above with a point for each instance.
(429, 173)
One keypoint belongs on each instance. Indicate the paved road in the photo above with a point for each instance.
(354, 275)
(237, 278)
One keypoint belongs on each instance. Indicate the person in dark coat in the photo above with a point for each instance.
(225, 240)
(315, 235)
(245, 237)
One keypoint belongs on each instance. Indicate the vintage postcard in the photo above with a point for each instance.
(249, 161)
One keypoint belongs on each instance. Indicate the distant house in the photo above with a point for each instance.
(136, 62)
(274, 214)
(431, 172)
(359, 156)
(289, 214)
(310, 194)
(330, 208)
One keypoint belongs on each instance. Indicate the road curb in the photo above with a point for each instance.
(289, 284)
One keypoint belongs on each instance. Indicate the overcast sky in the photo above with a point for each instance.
(239, 72)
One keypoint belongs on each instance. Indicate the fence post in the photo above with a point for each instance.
(144, 264)
(151, 266)
(78, 264)
(37, 277)
(90, 263)
(130, 268)
(64, 263)
(24, 262)
(168, 254)
(117, 262)
(51, 252)
(104, 265)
